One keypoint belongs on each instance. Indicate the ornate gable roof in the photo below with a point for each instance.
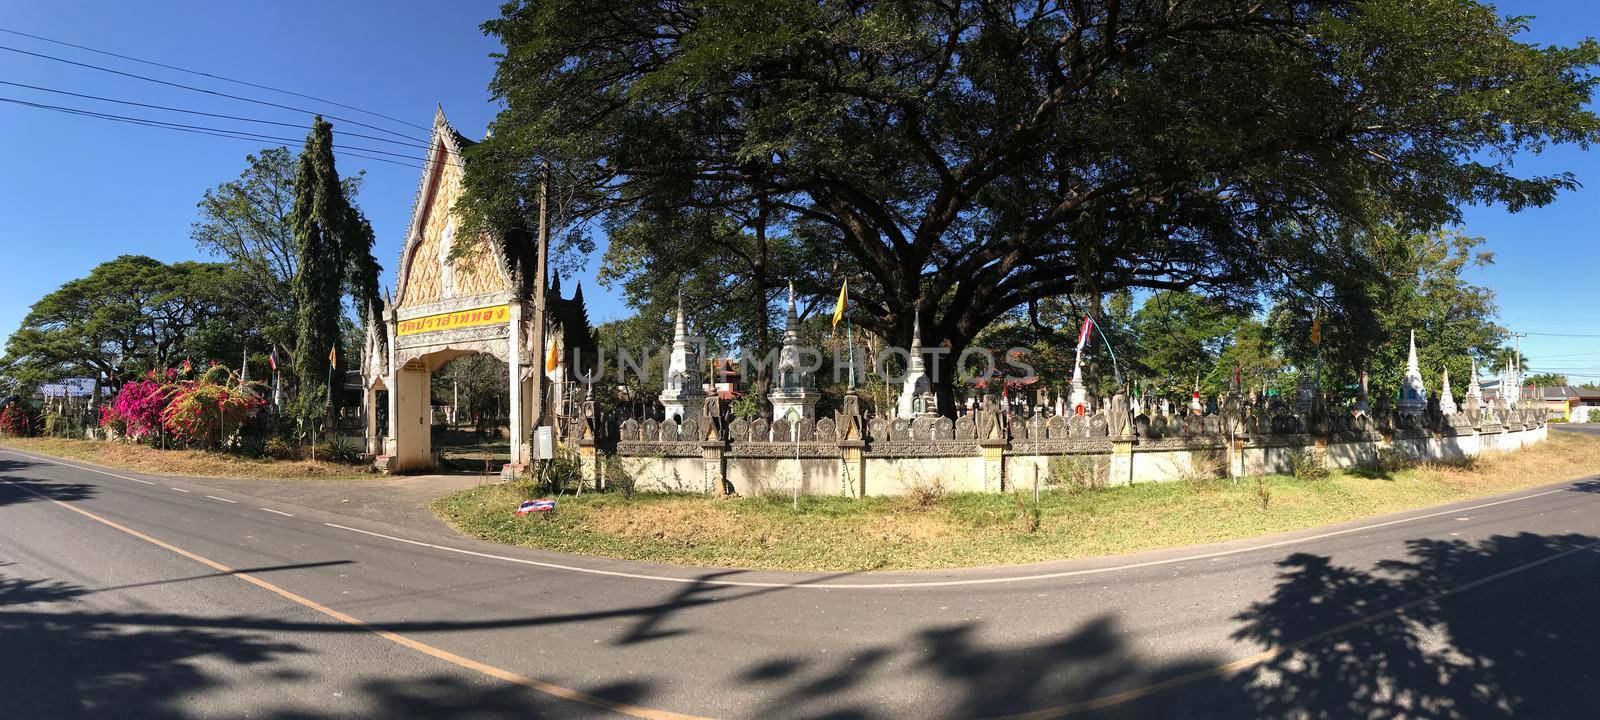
(425, 273)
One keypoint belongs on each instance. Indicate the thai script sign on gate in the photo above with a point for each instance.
(475, 317)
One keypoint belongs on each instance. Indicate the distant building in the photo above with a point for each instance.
(1571, 403)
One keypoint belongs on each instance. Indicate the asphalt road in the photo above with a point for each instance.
(126, 595)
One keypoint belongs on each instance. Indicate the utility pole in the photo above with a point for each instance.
(538, 298)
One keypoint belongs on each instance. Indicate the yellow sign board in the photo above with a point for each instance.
(475, 317)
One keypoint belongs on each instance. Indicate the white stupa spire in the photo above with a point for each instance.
(681, 389)
(1447, 401)
(1413, 396)
(913, 391)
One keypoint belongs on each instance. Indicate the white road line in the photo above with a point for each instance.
(948, 583)
(54, 461)
(899, 585)
(179, 489)
(279, 512)
(213, 497)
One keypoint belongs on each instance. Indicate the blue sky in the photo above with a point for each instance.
(76, 191)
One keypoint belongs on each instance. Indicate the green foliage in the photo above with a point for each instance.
(1308, 466)
(968, 159)
(333, 256)
(248, 221)
(339, 450)
(131, 315)
(1594, 415)
(748, 406)
(1546, 379)
(1410, 281)
(279, 448)
(480, 382)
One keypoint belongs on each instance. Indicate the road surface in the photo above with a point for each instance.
(126, 595)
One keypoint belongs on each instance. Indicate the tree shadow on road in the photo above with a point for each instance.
(60, 665)
(1501, 628)
(15, 489)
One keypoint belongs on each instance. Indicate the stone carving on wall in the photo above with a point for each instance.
(739, 430)
(965, 429)
(826, 430)
(849, 427)
(780, 430)
(877, 430)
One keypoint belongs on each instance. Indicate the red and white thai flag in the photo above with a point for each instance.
(534, 506)
(273, 358)
(1083, 333)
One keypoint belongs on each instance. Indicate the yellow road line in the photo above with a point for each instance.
(564, 693)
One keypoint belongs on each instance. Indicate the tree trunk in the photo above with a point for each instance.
(759, 275)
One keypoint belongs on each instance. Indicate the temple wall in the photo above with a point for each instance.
(897, 457)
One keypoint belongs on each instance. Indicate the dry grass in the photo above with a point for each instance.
(837, 534)
(188, 463)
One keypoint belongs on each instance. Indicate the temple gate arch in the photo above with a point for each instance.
(442, 309)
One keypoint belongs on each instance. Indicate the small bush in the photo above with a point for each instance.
(339, 451)
(1074, 472)
(617, 477)
(1393, 459)
(1308, 465)
(1205, 466)
(923, 492)
(1594, 415)
(280, 449)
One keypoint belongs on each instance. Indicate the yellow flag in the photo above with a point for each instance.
(838, 308)
(552, 359)
(1316, 329)
(333, 355)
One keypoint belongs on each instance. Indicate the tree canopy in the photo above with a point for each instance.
(249, 222)
(130, 315)
(963, 159)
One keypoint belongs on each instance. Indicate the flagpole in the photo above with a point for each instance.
(850, 339)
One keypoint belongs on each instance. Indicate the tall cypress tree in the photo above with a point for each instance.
(333, 242)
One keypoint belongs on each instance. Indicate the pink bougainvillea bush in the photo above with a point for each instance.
(207, 414)
(136, 411)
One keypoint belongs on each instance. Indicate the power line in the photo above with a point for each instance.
(213, 76)
(164, 123)
(203, 90)
(1576, 335)
(206, 114)
(225, 133)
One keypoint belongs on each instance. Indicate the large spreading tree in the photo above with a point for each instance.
(963, 159)
(333, 257)
(131, 315)
(249, 221)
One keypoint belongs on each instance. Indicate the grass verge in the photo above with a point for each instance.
(893, 533)
(189, 463)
